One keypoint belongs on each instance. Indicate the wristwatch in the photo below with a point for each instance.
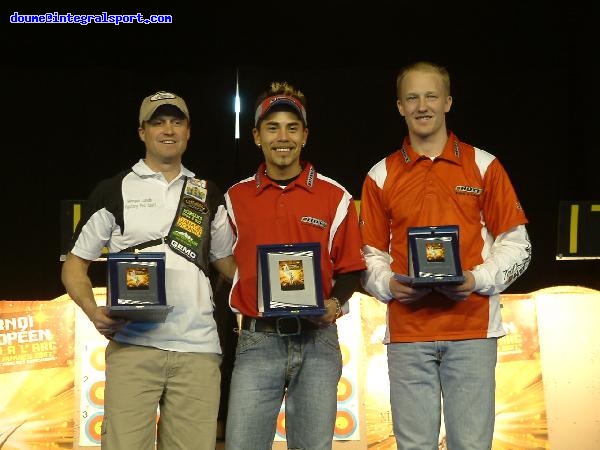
(338, 307)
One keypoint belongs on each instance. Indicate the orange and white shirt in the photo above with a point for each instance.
(463, 186)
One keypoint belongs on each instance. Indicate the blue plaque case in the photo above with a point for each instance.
(136, 286)
(289, 280)
(433, 256)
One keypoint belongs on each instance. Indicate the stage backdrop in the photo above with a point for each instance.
(548, 375)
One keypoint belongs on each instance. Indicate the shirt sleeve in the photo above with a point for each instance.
(375, 231)
(376, 279)
(222, 236)
(509, 257)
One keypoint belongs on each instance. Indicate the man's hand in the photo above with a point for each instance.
(106, 325)
(458, 292)
(330, 314)
(406, 294)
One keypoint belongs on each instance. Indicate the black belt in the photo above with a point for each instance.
(281, 325)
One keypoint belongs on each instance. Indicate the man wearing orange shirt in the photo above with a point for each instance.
(441, 340)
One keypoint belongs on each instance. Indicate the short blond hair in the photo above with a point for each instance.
(423, 66)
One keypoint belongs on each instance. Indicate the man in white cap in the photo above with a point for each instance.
(158, 206)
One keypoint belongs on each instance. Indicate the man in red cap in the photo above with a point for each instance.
(295, 357)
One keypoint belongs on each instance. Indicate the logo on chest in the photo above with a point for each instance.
(314, 222)
(468, 190)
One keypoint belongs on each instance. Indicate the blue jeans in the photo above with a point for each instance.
(462, 373)
(305, 368)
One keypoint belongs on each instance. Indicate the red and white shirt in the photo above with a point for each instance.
(464, 186)
(312, 208)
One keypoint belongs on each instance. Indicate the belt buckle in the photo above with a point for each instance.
(279, 325)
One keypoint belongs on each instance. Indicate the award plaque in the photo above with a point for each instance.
(136, 286)
(433, 256)
(289, 280)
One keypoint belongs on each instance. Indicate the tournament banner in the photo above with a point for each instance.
(36, 374)
(521, 421)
